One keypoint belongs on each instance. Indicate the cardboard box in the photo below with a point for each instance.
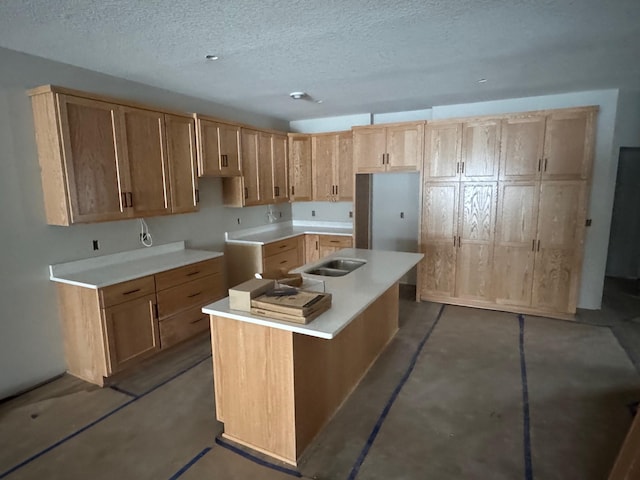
(240, 296)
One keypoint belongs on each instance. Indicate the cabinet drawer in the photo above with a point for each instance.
(282, 261)
(340, 241)
(125, 291)
(182, 326)
(280, 246)
(180, 275)
(197, 292)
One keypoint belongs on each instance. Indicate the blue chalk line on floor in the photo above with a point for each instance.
(392, 399)
(259, 461)
(528, 464)
(100, 419)
(190, 464)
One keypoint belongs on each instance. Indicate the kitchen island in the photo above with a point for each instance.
(278, 383)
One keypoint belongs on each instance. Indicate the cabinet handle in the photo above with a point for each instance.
(130, 194)
(454, 240)
(155, 310)
(457, 167)
(293, 190)
(459, 242)
(197, 195)
(545, 164)
(462, 171)
(226, 160)
(336, 189)
(123, 199)
(198, 320)
(283, 246)
(539, 164)
(246, 192)
(316, 245)
(387, 159)
(533, 245)
(383, 158)
(193, 273)
(538, 245)
(334, 241)
(194, 295)
(283, 261)
(131, 291)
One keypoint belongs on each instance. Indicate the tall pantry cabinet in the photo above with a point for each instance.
(504, 207)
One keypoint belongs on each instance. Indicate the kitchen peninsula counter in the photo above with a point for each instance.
(278, 383)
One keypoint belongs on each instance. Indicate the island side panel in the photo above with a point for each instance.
(253, 369)
(327, 371)
(243, 261)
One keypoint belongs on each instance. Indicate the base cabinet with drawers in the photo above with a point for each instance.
(108, 329)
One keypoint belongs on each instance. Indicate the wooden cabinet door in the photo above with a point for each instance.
(323, 153)
(208, 149)
(181, 157)
(280, 174)
(229, 150)
(568, 144)
(480, 150)
(522, 141)
(343, 168)
(514, 251)
(144, 149)
(559, 245)
(91, 158)
(405, 147)
(369, 149)
(443, 152)
(474, 267)
(131, 331)
(250, 156)
(439, 234)
(311, 248)
(300, 173)
(265, 168)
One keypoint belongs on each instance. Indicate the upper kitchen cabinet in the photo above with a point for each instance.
(218, 148)
(552, 146)
(300, 172)
(388, 148)
(102, 160)
(332, 166)
(183, 168)
(466, 151)
(264, 171)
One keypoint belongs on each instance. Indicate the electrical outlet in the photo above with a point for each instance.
(350, 214)
(96, 245)
(144, 237)
(313, 213)
(401, 214)
(239, 221)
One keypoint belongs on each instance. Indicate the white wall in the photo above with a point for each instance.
(324, 211)
(31, 348)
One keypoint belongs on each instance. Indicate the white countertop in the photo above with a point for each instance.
(351, 294)
(280, 231)
(107, 270)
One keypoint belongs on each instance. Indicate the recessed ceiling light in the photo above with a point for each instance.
(482, 80)
(297, 95)
(212, 57)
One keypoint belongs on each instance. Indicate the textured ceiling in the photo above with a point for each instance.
(356, 56)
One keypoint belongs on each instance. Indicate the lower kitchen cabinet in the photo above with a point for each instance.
(319, 246)
(109, 329)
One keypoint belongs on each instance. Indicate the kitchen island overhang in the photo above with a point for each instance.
(278, 383)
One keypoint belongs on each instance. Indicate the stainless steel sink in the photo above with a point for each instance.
(337, 267)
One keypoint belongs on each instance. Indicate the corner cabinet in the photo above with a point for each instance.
(103, 161)
(332, 166)
(504, 209)
(264, 177)
(388, 148)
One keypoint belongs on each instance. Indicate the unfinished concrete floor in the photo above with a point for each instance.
(458, 393)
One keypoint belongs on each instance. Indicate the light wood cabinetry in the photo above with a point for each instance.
(264, 171)
(319, 246)
(102, 160)
(300, 172)
(392, 147)
(526, 256)
(218, 148)
(245, 260)
(107, 330)
(332, 166)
